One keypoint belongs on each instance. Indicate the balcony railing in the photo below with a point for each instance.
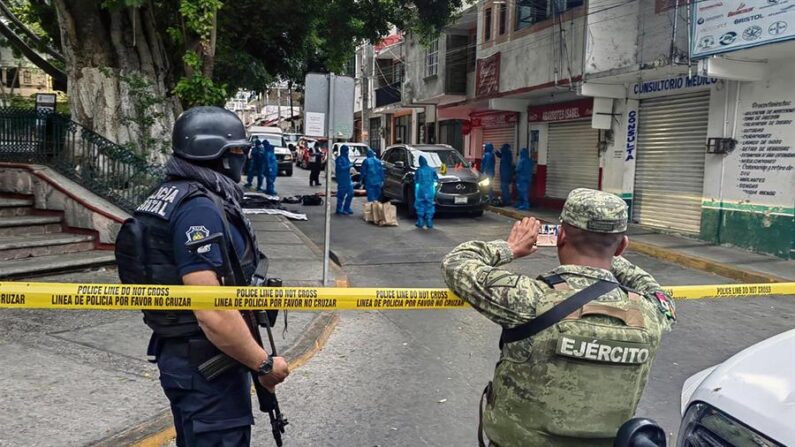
(388, 94)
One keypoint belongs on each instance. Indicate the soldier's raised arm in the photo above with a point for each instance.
(472, 271)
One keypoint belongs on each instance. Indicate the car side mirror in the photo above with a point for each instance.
(400, 164)
(640, 432)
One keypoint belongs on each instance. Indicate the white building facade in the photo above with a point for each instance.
(644, 99)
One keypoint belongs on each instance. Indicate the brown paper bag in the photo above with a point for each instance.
(368, 212)
(390, 215)
(378, 213)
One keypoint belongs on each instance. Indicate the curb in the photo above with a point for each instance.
(158, 430)
(676, 257)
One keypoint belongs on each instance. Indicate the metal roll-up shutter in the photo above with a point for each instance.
(498, 136)
(669, 170)
(573, 158)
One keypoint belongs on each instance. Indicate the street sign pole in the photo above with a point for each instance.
(328, 112)
(330, 132)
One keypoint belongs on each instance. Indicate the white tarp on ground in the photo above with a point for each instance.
(288, 214)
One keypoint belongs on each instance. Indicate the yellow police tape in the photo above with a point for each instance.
(33, 295)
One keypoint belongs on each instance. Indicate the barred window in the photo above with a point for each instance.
(432, 59)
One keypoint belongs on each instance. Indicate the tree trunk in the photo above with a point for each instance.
(101, 48)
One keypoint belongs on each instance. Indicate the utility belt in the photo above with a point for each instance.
(197, 349)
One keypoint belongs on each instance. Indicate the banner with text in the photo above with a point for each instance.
(720, 26)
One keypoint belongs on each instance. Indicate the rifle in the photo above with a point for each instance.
(233, 275)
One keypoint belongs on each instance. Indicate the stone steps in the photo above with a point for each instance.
(33, 243)
(29, 225)
(44, 245)
(40, 265)
(15, 207)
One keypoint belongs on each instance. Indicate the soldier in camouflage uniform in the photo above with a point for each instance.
(577, 381)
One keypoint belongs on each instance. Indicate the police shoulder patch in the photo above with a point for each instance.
(197, 233)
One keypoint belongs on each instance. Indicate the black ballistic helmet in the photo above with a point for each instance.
(205, 133)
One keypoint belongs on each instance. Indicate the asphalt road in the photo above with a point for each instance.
(396, 378)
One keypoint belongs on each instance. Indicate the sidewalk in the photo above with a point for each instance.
(76, 378)
(731, 262)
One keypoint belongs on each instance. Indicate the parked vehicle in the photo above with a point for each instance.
(460, 189)
(291, 139)
(275, 137)
(303, 154)
(357, 154)
(745, 401)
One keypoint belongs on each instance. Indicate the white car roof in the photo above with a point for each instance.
(755, 386)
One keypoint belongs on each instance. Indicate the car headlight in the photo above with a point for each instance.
(484, 183)
(288, 157)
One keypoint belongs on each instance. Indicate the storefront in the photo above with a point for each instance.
(497, 128)
(669, 157)
(402, 127)
(572, 149)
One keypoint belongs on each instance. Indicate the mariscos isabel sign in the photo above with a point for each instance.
(565, 111)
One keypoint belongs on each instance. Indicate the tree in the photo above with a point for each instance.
(132, 65)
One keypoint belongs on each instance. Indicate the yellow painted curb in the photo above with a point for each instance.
(158, 439)
(706, 265)
(685, 260)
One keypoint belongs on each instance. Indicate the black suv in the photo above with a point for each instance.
(460, 189)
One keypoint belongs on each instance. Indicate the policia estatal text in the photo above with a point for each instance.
(200, 197)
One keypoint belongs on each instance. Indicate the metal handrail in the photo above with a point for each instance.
(100, 165)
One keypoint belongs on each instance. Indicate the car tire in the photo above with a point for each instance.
(476, 213)
(288, 173)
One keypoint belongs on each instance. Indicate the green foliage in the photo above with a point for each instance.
(145, 115)
(262, 40)
(29, 102)
(199, 15)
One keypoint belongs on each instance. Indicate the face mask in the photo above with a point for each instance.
(232, 166)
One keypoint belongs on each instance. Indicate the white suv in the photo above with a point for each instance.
(748, 400)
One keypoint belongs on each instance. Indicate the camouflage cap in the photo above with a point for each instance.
(596, 211)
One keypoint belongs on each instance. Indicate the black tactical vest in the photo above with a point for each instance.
(144, 252)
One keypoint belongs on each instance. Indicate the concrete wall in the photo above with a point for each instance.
(52, 191)
(624, 38)
(422, 87)
(530, 59)
(749, 194)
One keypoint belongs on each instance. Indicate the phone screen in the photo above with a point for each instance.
(548, 236)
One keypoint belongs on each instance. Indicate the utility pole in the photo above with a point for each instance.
(279, 104)
(365, 87)
(292, 115)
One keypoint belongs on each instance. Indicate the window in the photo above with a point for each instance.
(503, 18)
(487, 25)
(397, 72)
(394, 156)
(530, 12)
(432, 59)
(27, 79)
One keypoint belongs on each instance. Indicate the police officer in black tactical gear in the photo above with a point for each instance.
(201, 196)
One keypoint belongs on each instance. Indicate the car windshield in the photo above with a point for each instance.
(356, 151)
(436, 157)
(291, 138)
(274, 140)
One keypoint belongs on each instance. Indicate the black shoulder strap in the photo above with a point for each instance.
(557, 313)
(552, 279)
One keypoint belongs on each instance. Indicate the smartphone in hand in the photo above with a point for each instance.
(548, 236)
